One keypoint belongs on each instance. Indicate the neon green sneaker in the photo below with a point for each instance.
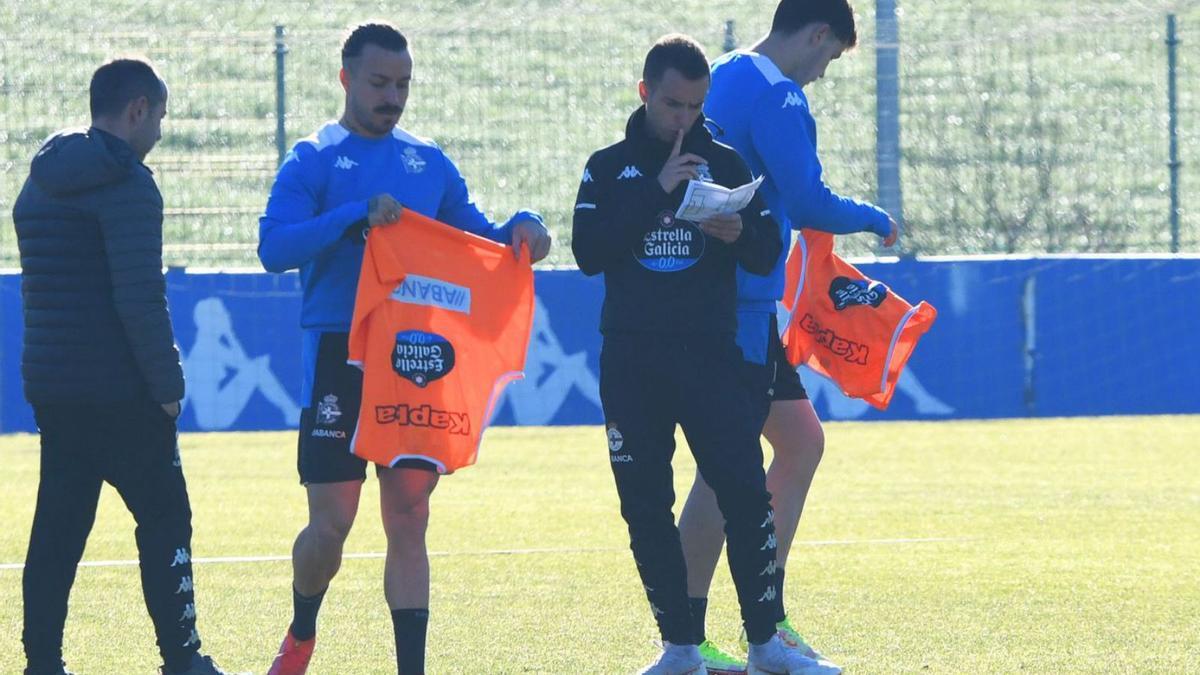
(720, 663)
(793, 639)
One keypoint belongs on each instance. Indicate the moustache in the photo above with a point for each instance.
(389, 110)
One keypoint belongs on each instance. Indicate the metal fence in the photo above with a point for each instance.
(1023, 128)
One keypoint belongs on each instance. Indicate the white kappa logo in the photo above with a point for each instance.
(344, 162)
(189, 612)
(182, 557)
(193, 639)
(629, 172)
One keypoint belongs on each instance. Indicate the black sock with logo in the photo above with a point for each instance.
(410, 626)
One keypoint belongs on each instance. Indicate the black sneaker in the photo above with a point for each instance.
(200, 665)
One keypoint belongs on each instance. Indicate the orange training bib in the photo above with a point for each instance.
(441, 324)
(849, 328)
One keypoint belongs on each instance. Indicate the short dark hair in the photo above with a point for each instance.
(792, 15)
(378, 33)
(121, 81)
(675, 51)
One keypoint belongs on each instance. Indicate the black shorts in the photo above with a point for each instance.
(328, 421)
(785, 381)
(776, 380)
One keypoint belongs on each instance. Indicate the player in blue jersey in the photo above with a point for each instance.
(757, 105)
(353, 174)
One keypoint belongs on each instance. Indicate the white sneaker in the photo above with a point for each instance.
(775, 658)
(677, 660)
(793, 639)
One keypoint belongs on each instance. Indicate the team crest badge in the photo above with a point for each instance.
(328, 411)
(413, 162)
(615, 439)
(421, 357)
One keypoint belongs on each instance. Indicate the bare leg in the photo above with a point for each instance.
(702, 534)
(317, 553)
(404, 500)
(795, 434)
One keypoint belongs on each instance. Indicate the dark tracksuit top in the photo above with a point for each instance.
(669, 357)
(663, 275)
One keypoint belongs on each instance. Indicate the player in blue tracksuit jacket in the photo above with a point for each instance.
(757, 105)
(356, 173)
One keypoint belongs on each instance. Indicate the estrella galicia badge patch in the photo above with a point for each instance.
(846, 292)
(422, 357)
(673, 246)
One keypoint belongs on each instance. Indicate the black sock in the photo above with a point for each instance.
(304, 614)
(45, 667)
(410, 626)
(699, 607)
(779, 583)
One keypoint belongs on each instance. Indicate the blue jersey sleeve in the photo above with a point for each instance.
(458, 209)
(783, 133)
(292, 232)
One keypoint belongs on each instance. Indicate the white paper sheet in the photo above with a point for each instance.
(705, 200)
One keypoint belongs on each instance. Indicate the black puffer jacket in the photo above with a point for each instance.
(89, 229)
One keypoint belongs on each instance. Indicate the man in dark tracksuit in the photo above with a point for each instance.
(100, 366)
(669, 353)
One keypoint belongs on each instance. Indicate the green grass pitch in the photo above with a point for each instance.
(961, 547)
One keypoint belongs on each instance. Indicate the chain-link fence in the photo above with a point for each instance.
(1024, 128)
(1046, 135)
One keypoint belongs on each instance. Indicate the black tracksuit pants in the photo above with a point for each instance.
(648, 384)
(133, 446)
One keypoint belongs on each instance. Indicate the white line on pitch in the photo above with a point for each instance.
(496, 552)
(854, 542)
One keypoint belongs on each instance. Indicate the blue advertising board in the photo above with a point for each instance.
(1015, 337)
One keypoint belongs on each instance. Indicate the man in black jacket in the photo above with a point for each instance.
(669, 354)
(100, 366)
